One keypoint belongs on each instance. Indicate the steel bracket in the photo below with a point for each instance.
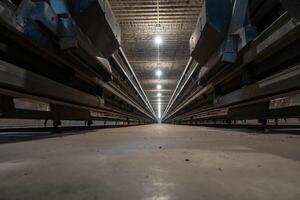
(240, 31)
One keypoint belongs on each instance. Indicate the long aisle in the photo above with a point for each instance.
(154, 162)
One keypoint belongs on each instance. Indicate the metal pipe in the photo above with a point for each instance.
(171, 102)
(144, 97)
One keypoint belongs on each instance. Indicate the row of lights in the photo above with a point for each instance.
(158, 73)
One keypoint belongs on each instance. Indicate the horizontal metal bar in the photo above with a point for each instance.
(137, 87)
(177, 89)
(13, 77)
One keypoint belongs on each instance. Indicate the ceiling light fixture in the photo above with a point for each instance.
(159, 110)
(158, 40)
(158, 73)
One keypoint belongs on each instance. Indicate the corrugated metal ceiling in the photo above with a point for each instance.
(138, 20)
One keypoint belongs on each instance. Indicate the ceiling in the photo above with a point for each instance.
(138, 20)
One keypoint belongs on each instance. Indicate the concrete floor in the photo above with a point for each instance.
(154, 162)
